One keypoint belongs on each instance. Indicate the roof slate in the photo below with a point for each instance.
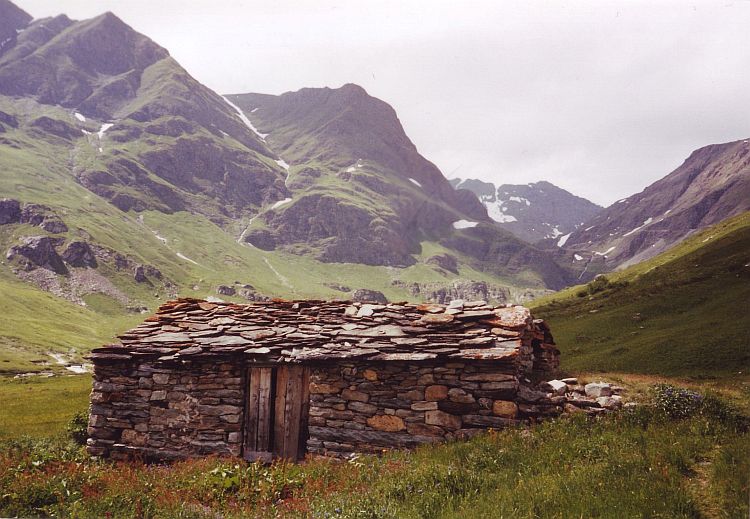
(320, 331)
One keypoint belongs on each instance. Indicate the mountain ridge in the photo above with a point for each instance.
(534, 211)
(712, 184)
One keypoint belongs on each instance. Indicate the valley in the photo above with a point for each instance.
(126, 183)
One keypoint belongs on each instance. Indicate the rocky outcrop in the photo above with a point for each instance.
(38, 251)
(444, 261)
(365, 295)
(711, 185)
(225, 290)
(44, 217)
(10, 211)
(142, 273)
(79, 254)
(443, 293)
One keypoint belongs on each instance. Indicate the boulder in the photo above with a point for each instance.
(225, 290)
(365, 295)
(38, 251)
(139, 274)
(610, 402)
(79, 254)
(598, 389)
(557, 387)
(54, 225)
(10, 211)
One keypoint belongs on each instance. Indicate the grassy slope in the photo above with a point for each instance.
(630, 465)
(684, 312)
(41, 407)
(35, 322)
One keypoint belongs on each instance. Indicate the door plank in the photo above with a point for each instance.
(251, 413)
(282, 377)
(293, 407)
(304, 413)
(264, 410)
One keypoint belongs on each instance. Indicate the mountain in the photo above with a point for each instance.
(361, 192)
(125, 182)
(533, 212)
(711, 185)
(12, 21)
(679, 313)
(141, 132)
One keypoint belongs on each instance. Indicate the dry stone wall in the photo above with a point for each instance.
(364, 407)
(167, 412)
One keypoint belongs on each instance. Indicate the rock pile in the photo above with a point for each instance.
(567, 395)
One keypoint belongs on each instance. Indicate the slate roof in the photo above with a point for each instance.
(321, 331)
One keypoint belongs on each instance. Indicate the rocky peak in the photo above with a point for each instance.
(533, 212)
(107, 45)
(12, 21)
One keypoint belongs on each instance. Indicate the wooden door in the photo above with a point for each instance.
(276, 413)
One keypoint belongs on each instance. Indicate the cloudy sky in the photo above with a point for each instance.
(599, 97)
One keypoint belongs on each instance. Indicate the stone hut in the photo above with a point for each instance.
(279, 379)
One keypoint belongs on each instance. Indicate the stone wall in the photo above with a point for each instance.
(170, 411)
(368, 407)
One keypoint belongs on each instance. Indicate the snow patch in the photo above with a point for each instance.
(605, 252)
(563, 239)
(254, 110)
(588, 228)
(283, 164)
(280, 203)
(555, 232)
(80, 117)
(645, 223)
(520, 200)
(245, 120)
(667, 212)
(103, 129)
(182, 256)
(415, 182)
(284, 280)
(463, 224)
(497, 213)
(85, 132)
(577, 257)
(620, 201)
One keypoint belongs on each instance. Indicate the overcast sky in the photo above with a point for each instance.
(599, 97)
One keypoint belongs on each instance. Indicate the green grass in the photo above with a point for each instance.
(41, 407)
(682, 313)
(633, 464)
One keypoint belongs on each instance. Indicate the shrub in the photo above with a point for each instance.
(676, 402)
(76, 428)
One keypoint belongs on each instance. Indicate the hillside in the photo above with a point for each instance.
(712, 184)
(682, 312)
(533, 212)
(125, 182)
(362, 193)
